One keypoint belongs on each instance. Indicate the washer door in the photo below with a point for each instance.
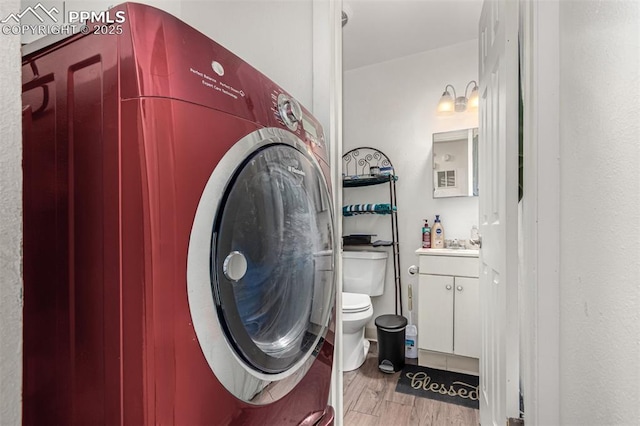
(268, 259)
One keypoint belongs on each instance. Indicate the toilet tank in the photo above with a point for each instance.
(364, 272)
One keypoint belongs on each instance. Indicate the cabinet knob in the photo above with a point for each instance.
(448, 287)
(459, 288)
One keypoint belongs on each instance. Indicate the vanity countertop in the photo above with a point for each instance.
(448, 252)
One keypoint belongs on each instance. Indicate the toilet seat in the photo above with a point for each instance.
(355, 302)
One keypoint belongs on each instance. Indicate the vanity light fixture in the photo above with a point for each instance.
(448, 104)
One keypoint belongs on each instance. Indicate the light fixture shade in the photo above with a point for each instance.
(446, 105)
(473, 100)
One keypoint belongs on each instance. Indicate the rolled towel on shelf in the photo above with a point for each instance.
(354, 209)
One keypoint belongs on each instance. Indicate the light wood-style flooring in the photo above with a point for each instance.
(370, 399)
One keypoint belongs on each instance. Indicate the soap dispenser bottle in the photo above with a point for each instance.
(437, 234)
(426, 235)
(475, 237)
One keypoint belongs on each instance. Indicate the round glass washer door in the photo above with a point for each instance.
(270, 261)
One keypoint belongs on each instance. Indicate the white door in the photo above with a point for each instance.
(498, 165)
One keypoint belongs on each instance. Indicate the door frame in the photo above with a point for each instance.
(11, 286)
(539, 318)
(327, 108)
(539, 226)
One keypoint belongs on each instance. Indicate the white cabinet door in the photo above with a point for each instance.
(466, 320)
(436, 313)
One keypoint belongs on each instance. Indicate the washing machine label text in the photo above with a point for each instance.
(296, 171)
(219, 86)
(226, 86)
(196, 72)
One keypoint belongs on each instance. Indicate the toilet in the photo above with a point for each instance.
(363, 276)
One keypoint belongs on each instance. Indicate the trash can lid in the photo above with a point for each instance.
(391, 322)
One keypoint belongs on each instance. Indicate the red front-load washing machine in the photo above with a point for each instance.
(178, 234)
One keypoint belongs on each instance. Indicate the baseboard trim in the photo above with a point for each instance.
(450, 362)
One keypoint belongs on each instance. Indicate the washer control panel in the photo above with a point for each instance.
(289, 111)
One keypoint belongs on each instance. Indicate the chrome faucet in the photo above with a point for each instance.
(453, 244)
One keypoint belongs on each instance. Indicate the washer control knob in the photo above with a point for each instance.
(290, 111)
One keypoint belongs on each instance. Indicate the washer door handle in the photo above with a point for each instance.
(234, 266)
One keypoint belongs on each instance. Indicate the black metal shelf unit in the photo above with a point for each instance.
(367, 166)
(366, 180)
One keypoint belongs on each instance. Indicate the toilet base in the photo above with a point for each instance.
(355, 358)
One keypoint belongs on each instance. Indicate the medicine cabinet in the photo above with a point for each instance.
(455, 163)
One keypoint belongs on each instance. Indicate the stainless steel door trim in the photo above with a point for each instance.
(236, 376)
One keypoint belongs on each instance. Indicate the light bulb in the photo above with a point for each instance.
(473, 100)
(446, 106)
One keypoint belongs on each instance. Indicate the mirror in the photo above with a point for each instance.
(455, 163)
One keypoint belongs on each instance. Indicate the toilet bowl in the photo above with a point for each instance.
(357, 311)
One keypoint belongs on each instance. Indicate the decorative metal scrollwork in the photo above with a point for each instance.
(359, 161)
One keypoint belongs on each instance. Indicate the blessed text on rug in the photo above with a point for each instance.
(445, 386)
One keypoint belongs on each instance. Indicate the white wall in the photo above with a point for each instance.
(600, 212)
(275, 36)
(391, 106)
(10, 226)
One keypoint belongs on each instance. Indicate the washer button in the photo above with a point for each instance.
(234, 266)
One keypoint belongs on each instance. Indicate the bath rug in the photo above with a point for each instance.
(445, 386)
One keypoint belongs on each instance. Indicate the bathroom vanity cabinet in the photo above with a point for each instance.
(449, 309)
